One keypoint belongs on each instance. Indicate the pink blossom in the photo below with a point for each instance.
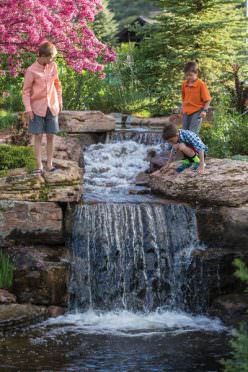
(25, 24)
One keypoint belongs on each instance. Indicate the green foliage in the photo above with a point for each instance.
(210, 31)
(228, 134)
(241, 270)
(105, 26)
(119, 91)
(239, 344)
(6, 271)
(7, 119)
(12, 157)
(124, 9)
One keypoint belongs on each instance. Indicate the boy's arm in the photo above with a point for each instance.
(58, 88)
(26, 91)
(183, 96)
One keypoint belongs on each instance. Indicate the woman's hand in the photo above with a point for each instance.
(30, 115)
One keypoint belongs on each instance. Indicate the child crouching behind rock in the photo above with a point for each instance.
(189, 144)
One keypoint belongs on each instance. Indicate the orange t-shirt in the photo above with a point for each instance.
(194, 96)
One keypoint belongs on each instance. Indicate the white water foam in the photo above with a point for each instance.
(130, 324)
(113, 167)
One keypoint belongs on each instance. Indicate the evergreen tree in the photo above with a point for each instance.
(105, 26)
(124, 9)
(209, 31)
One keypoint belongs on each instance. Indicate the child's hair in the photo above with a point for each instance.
(169, 131)
(191, 67)
(47, 49)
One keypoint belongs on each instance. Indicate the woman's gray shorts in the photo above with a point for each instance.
(48, 124)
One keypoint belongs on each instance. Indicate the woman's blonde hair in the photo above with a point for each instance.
(47, 49)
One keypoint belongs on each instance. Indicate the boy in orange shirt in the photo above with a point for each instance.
(196, 98)
(42, 98)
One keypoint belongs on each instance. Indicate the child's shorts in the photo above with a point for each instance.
(48, 124)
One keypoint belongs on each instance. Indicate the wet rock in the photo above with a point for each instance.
(86, 122)
(30, 222)
(224, 182)
(224, 227)
(41, 275)
(6, 297)
(142, 179)
(16, 316)
(232, 308)
(55, 311)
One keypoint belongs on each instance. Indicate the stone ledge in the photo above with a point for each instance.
(225, 182)
(65, 184)
(86, 122)
(35, 222)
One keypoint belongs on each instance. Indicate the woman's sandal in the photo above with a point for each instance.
(53, 169)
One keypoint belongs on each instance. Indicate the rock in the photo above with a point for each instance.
(224, 182)
(65, 184)
(16, 316)
(55, 311)
(142, 179)
(30, 222)
(212, 272)
(6, 297)
(41, 275)
(86, 122)
(232, 308)
(224, 227)
(65, 148)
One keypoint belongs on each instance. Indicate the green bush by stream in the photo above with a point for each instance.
(12, 157)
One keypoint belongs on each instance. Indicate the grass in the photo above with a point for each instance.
(6, 271)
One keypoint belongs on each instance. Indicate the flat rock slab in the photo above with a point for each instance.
(22, 221)
(16, 316)
(86, 122)
(65, 184)
(225, 182)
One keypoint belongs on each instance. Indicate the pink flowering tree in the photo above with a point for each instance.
(25, 24)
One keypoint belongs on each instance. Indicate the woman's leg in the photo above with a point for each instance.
(37, 149)
(50, 149)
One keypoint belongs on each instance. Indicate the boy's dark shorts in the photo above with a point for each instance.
(48, 124)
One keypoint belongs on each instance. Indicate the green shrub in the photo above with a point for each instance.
(239, 344)
(12, 157)
(6, 271)
(7, 119)
(227, 135)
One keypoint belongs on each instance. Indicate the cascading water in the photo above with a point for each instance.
(131, 256)
(132, 288)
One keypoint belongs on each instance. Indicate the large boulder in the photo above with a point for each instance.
(225, 227)
(86, 122)
(41, 274)
(33, 222)
(65, 184)
(225, 182)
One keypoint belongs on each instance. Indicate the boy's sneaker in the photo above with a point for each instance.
(185, 164)
(195, 166)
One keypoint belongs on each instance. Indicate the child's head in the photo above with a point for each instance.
(191, 71)
(47, 52)
(170, 133)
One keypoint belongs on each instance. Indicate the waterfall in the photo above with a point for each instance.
(148, 138)
(131, 256)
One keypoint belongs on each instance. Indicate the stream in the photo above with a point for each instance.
(132, 306)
